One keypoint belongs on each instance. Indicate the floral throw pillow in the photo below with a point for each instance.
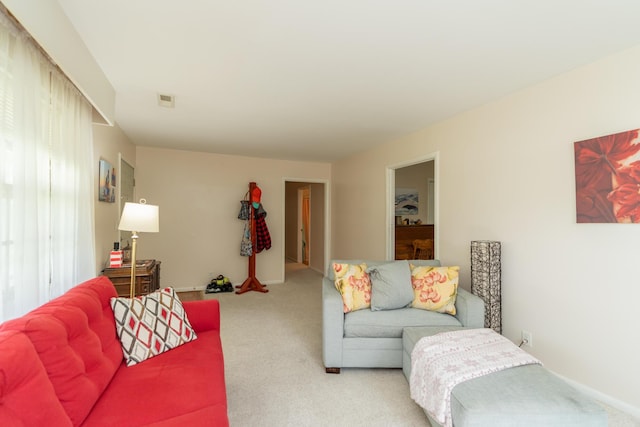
(151, 324)
(435, 288)
(352, 281)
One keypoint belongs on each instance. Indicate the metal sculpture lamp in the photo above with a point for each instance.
(138, 218)
(486, 281)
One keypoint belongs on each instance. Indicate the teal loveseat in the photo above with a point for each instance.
(373, 339)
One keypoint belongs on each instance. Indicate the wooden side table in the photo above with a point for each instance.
(147, 277)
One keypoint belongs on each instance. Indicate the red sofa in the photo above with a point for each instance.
(62, 365)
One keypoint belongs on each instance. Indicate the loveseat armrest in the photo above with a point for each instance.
(332, 325)
(469, 309)
(204, 315)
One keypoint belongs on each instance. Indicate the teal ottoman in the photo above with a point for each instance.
(523, 396)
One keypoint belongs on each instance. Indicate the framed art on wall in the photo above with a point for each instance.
(107, 182)
(406, 201)
(608, 178)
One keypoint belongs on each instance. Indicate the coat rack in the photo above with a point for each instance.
(252, 283)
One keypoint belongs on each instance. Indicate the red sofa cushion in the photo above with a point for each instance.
(26, 395)
(182, 387)
(204, 315)
(75, 338)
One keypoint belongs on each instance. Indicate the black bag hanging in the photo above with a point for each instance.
(244, 210)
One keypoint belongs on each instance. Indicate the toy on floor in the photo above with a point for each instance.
(219, 284)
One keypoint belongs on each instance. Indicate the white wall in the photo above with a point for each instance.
(317, 221)
(291, 220)
(199, 198)
(108, 141)
(507, 174)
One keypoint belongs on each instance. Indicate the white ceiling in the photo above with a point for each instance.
(319, 80)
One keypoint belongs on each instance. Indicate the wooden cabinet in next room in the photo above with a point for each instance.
(406, 234)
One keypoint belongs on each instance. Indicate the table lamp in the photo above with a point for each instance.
(138, 218)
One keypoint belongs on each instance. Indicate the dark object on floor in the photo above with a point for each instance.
(219, 284)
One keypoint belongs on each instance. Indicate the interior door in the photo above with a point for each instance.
(306, 221)
(127, 185)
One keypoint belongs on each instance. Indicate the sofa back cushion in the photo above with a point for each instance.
(331, 275)
(75, 338)
(26, 394)
(390, 285)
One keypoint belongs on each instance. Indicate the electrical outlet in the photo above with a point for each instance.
(527, 338)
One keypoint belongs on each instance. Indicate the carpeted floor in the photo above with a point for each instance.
(274, 372)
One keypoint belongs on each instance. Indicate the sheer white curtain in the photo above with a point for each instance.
(72, 191)
(46, 197)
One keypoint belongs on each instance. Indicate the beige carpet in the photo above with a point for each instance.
(274, 372)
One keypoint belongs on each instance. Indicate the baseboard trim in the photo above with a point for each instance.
(316, 270)
(604, 398)
(192, 289)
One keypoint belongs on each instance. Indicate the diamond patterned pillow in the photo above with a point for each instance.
(151, 324)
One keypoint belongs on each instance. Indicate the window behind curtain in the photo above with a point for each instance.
(46, 177)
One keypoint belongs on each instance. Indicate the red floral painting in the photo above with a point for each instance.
(608, 178)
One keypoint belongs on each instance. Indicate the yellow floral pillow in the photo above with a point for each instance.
(354, 285)
(435, 288)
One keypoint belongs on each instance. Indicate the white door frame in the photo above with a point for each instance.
(391, 201)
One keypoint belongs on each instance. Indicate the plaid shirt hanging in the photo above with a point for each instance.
(263, 238)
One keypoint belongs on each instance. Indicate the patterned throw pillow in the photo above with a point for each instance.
(151, 324)
(435, 288)
(354, 285)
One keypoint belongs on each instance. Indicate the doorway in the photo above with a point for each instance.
(418, 177)
(305, 224)
(126, 186)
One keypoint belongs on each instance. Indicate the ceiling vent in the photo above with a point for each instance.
(167, 101)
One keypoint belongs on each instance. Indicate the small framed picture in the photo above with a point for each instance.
(107, 182)
(406, 201)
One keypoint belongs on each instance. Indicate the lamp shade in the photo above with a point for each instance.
(140, 217)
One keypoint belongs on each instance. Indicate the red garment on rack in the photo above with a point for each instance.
(263, 238)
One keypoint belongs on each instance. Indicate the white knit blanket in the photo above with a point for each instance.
(442, 361)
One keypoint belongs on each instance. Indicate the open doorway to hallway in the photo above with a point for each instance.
(305, 225)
